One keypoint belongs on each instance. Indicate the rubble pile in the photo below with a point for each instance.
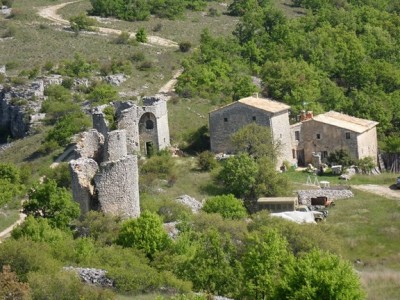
(192, 203)
(92, 276)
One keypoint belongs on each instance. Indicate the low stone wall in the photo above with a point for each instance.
(331, 193)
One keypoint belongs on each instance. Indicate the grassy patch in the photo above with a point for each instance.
(8, 217)
(186, 29)
(186, 116)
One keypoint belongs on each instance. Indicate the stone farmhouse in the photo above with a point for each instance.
(313, 135)
(225, 121)
(331, 131)
(104, 172)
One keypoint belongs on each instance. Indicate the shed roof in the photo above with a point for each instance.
(260, 103)
(345, 121)
(276, 199)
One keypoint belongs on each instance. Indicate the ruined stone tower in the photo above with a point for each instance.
(146, 126)
(105, 174)
(105, 177)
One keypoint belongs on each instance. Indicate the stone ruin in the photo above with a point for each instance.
(105, 174)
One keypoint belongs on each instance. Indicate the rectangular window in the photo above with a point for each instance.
(324, 154)
(294, 153)
(297, 135)
(318, 136)
(225, 119)
(254, 118)
(347, 135)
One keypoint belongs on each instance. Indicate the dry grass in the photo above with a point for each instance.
(381, 284)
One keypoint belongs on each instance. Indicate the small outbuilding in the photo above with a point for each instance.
(277, 204)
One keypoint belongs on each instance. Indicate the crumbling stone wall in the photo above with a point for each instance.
(134, 120)
(105, 177)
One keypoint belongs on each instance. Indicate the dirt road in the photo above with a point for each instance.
(50, 13)
(379, 190)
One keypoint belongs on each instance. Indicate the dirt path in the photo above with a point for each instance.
(6, 232)
(380, 190)
(50, 13)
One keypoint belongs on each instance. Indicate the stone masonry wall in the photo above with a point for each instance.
(110, 184)
(117, 188)
(225, 122)
(281, 132)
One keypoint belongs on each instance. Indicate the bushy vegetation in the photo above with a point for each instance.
(139, 10)
(338, 56)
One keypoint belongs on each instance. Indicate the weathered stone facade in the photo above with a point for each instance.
(332, 131)
(105, 177)
(229, 119)
(105, 174)
(146, 126)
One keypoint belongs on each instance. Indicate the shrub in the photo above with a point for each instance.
(206, 161)
(158, 27)
(8, 3)
(146, 65)
(67, 126)
(226, 205)
(82, 22)
(123, 38)
(10, 287)
(145, 233)
(185, 46)
(138, 56)
(102, 94)
(366, 164)
(10, 32)
(341, 157)
(141, 35)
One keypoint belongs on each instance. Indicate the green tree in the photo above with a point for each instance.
(213, 268)
(238, 175)
(145, 233)
(39, 230)
(321, 275)
(49, 201)
(265, 259)
(270, 183)
(256, 141)
(226, 205)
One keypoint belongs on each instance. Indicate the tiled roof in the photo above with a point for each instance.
(265, 104)
(345, 121)
(260, 103)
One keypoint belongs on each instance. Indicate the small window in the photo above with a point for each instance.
(324, 154)
(347, 135)
(297, 135)
(225, 119)
(149, 124)
(294, 153)
(254, 118)
(318, 136)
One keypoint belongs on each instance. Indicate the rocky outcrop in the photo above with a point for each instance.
(20, 108)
